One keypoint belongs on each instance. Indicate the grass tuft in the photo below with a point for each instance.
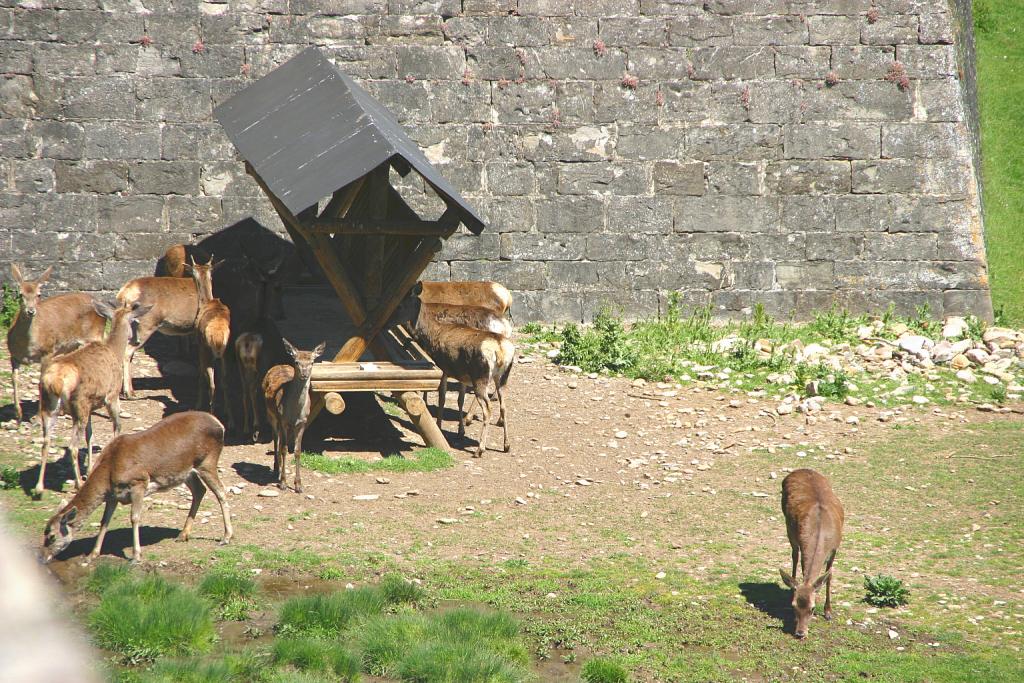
(105, 575)
(231, 590)
(10, 302)
(398, 590)
(234, 668)
(10, 477)
(328, 615)
(145, 618)
(422, 460)
(603, 670)
(458, 663)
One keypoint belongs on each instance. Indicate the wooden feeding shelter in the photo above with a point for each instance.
(308, 132)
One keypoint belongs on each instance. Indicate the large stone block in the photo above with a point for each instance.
(750, 275)
(672, 177)
(890, 30)
(831, 141)
(631, 31)
(15, 140)
(98, 27)
(834, 30)
(928, 61)
(215, 61)
(862, 61)
(910, 140)
(98, 98)
(632, 304)
(741, 142)
(133, 140)
(903, 176)
(545, 306)
(713, 246)
(802, 61)
(140, 213)
(463, 246)
(434, 62)
(560, 63)
(805, 275)
(651, 63)
(566, 143)
(788, 29)
(936, 27)
(452, 101)
(976, 302)
(701, 28)
(174, 99)
(43, 244)
(227, 178)
(809, 213)
(528, 275)
(546, 247)
(929, 214)
(824, 246)
(165, 177)
(544, 102)
(32, 175)
(910, 275)
(643, 143)
(735, 178)
(195, 215)
(715, 213)
(100, 177)
(808, 177)
(603, 178)
(652, 215)
(711, 63)
(63, 59)
(902, 247)
(614, 102)
(571, 214)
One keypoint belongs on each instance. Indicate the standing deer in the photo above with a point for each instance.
(181, 448)
(213, 324)
(476, 358)
(175, 260)
(43, 328)
(83, 380)
(814, 525)
(286, 390)
(248, 351)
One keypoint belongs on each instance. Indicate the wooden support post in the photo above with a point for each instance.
(422, 419)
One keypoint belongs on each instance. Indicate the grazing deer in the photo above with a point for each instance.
(814, 524)
(248, 351)
(286, 390)
(45, 327)
(475, 358)
(213, 323)
(181, 448)
(84, 379)
(173, 305)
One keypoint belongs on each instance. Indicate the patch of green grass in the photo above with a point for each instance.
(234, 668)
(457, 662)
(10, 302)
(330, 574)
(231, 590)
(106, 574)
(885, 591)
(603, 670)
(10, 477)
(907, 667)
(397, 590)
(422, 460)
(999, 39)
(329, 615)
(148, 617)
(316, 654)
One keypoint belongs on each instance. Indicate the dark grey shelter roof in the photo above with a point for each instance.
(308, 130)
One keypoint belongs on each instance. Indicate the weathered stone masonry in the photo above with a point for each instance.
(798, 153)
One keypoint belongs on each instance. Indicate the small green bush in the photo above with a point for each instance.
(885, 591)
(10, 477)
(384, 640)
(397, 590)
(10, 302)
(603, 670)
(307, 654)
(331, 574)
(146, 618)
(328, 615)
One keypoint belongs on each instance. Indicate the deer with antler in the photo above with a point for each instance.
(213, 327)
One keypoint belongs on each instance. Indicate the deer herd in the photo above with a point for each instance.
(85, 349)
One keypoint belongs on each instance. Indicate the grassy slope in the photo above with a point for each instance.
(1000, 46)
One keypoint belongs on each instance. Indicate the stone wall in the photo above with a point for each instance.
(797, 153)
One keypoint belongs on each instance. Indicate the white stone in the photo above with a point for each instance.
(269, 493)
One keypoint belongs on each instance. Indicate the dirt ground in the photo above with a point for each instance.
(598, 466)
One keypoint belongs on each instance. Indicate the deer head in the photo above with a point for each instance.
(123, 317)
(59, 532)
(302, 361)
(202, 273)
(28, 290)
(803, 599)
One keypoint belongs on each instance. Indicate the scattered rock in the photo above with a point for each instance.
(269, 493)
(784, 408)
(366, 496)
(447, 520)
(954, 328)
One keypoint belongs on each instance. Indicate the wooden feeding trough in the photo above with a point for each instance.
(308, 132)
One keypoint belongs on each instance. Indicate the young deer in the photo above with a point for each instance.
(181, 448)
(175, 260)
(814, 524)
(83, 380)
(475, 358)
(286, 390)
(173, 305)
(248, 350)
(213, 324)
(45, 327)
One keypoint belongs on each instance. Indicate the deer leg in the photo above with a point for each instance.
(127, 390)
(88, 445)
(300, 430)
(108, 513)
(462, 403)
(828, 587)
(48, 420)
(198, 491)
(17, 402)
(114, 410)
(796, 558)
(137, 494)
(225, 399)
(213, 483)
(501, 419)
(76, 436)
(281, 459)
(205, 382)
(442, 394)
(485, 416)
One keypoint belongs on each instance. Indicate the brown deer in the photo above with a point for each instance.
(248, 352)
(173, 305)
(175, 261)
(45, 327)
(83, 380)
(489, 295)
(213, 325)
(286, 391)
(180, 449)
(814, 524)
(475, 358)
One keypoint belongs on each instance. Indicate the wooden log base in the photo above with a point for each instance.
(421, 419)
(334, 403)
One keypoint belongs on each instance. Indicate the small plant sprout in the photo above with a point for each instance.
(872, 14)
(885, 591)
(898, 74)
(691, 70)
(521, 56)
(831, 79)
(409, 78)
(556, 117)
(503, 83)
(198, 47)
(467, 77)
(659, 98)
(630, 82)
(745, 97)
(600, 49)
(145, 41)
(245, 69)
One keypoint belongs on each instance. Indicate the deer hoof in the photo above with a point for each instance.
(181, 538)
(298, 487)
(224, 541)
(828, 615)
(283, 486)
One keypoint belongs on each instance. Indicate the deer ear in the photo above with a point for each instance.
(104, 309)
(417, 289)
(216, 265)
(140, 311)
(289, 348)
(319, 350)
(787, 578)
(46, 275)
(822, 579)
(16, 273)
(72, 515)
